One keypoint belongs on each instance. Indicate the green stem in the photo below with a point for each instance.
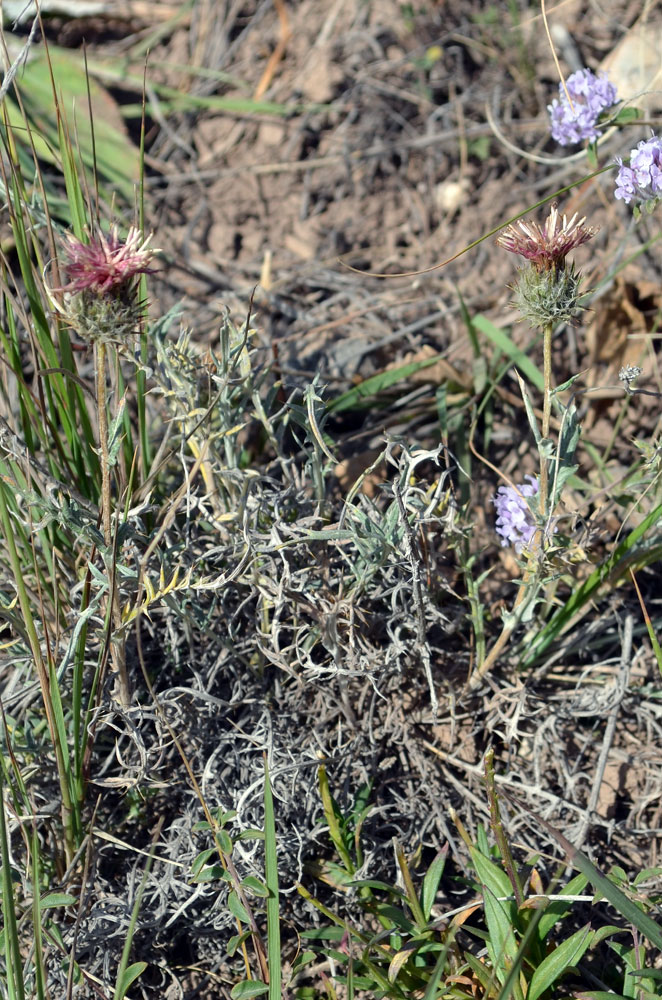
(103, 444)
(526, 591)
(12, 943)
(546, 414)
(117, 652)
(539, 539)
(498, 831)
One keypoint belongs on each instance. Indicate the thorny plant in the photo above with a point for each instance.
(548, 295)
(100, 301)
(202, 545)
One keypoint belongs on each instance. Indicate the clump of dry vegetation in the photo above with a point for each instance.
(280, 714)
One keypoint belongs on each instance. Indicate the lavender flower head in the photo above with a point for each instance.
(575, 120)
(642, 180)
(514, 521)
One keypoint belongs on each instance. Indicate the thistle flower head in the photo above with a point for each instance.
(576, 119)
(106, 262)
(515, 523)
(547, 293)
(100, 299)
(548, 245)
(641, 181)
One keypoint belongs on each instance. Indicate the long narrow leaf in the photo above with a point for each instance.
(627, 909)
(412, 898)
(501, 941)
(562, 958)
(333, 820)
(271, 878)
(116, 156)
(15, 986)
(372, 386)
(37, 906)
(431, 881)
(622, 554)
(501, 340)
(558, 908)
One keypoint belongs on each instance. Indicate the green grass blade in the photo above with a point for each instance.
(627, 909)
(37, 905)
(126, 973)
(141, 378)
(175, 100)
(65, 403)
(412, 898)
(72, 186)
(431, 881)
(588, 589)
(359, 394)
(601, 995)
(333, 820)
(350, 977)
(60, 71)
(501, 942)
(502, 341)
(564, 956)
(657, 650)
(490, 874)
(15, 985)
(71, 805)
(440, 965)
(556, 910)
(271, 879)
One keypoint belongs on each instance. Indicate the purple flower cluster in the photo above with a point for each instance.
(576, 119)
(515, 522)
(642, 180)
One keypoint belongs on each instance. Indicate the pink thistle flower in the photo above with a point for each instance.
(100, 299)
(515, 523)
(107, 262)
(548, 245)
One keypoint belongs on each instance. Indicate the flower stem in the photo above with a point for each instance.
(546, 415)
(526, 592)
(103, 443)
(117, 651)
(527, 587)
